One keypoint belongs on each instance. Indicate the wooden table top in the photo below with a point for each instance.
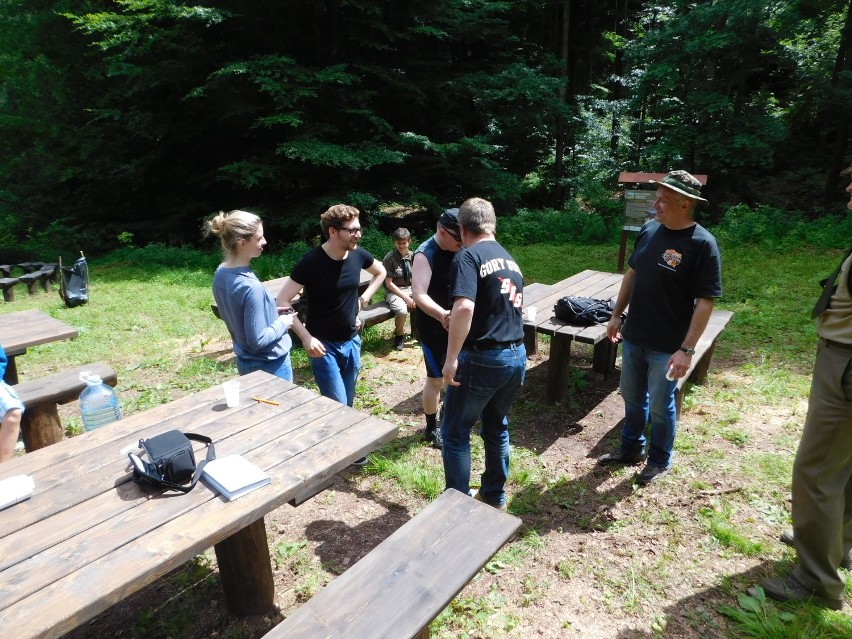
(24, 329)
(588, 283)
(89, 536)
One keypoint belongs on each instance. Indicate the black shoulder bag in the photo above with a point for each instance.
(171, 461)
(583, 311)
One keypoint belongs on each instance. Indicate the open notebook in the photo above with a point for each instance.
(233, 476)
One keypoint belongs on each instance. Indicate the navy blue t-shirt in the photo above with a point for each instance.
(488, 275)
(672, 269)
(331, 287)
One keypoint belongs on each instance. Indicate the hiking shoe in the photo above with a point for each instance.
(788, 588)
(433, 436)
(473, 492)
(361, 461)
(650, 473)
(788, 539)
(611, 459)
(399, 342)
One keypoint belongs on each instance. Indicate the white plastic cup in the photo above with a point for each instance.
(531, 311)
(232, 392)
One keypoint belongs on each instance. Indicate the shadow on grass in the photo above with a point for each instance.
(697, 616)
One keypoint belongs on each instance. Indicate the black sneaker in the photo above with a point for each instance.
(437, 440)
(620, 458)
(399, 342)
(361, 461)
(650, 473)
(788, 588)
(788, 539)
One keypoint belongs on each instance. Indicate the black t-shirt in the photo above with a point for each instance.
(488, 275)
(439, 285)
(331, 287)
(672, 269)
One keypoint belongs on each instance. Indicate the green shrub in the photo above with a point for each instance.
(767, 226)
(555, 227)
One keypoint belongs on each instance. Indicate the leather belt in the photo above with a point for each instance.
(830, 343)
(493, 346)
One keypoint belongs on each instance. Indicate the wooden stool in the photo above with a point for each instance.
(6, 283)
(31, 280)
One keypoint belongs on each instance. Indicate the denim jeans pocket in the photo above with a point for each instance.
(486, 377)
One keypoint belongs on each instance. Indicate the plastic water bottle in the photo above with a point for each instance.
(98, 403)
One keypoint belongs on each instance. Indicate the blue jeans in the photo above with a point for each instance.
(337, 371)
(280, 367)
(490, 379)
(647, 393)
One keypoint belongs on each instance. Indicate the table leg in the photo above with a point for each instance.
(530, 340)
(40, 426)
(558, 368)
(11, 375)
(603, 356)
(246, 570)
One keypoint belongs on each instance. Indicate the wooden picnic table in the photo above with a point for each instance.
(588, 283)
(89, 536)
(25, 329)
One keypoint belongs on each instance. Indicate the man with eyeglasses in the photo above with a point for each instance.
(430, 286)
(330, 275)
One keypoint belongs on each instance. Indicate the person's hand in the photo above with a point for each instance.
(449, 373)
(679, 363)
(287, 319)
(409, 302)
(314, 348)
(445, 321)
(613, 329)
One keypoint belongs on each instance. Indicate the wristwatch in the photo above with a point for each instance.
(689, 351)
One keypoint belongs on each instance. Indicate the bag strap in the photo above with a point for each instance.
(211, 455)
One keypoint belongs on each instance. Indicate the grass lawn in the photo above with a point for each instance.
(598, 557)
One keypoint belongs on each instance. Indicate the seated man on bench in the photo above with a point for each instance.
(673, 280)
(11, 409)
(397, 265)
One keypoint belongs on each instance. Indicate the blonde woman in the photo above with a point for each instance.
(258, 329)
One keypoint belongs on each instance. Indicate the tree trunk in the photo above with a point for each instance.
(835, 112)
(561, 125)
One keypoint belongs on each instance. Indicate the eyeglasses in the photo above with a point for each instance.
(353, 230)
(457, 238)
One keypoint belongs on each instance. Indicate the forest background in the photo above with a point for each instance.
(130, 121)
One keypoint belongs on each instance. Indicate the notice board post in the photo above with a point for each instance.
(639, 196)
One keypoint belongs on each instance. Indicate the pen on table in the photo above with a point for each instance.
(266, 401)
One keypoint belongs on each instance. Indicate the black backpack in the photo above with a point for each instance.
(583, 311)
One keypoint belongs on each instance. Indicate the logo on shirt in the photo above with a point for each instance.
(672, 257)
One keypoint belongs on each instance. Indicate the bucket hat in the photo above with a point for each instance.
(683, 183)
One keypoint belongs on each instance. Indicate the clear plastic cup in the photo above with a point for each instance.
(531, 313)
(232, 393)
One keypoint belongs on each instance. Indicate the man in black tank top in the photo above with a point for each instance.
(430, 286)
(486, 359)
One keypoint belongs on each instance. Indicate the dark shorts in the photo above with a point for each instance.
(434, 353)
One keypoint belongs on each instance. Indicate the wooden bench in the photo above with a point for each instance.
(375, 313)
(34, 279)
(398, 588)
(697, 372)
(6, 283)
(40, 423)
